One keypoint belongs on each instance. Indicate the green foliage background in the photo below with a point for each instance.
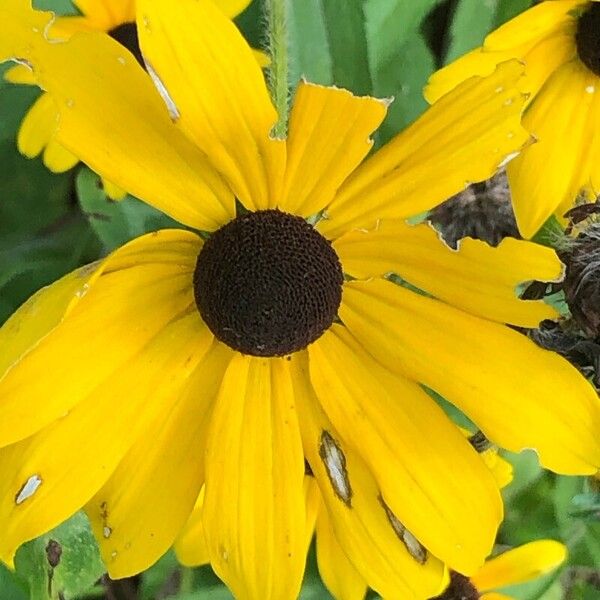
(50, 224)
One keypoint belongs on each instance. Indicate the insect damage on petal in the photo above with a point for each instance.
(28, 489)
(335, 464)
(411, 543)
(164, 92)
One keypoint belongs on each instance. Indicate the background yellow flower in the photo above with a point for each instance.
(557, 41)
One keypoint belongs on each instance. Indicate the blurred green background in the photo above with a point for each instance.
(50, 224)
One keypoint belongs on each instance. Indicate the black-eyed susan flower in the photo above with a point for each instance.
(559, 43)
(228, 359)
(37, 134)
(519, 565)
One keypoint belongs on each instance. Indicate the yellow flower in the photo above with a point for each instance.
(37, 133)
(184, 360)
(515, 566)
(559, 43)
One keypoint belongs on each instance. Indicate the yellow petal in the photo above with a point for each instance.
(520, 564)
(37, 317)
(21, 23)
(254, 509)
(496, 376)
(553, 170)
(113, 119)
(546, 56)
(108, 13)
(477, 62)
(532, 25)
(337, 572)
(41, 481)
(142, 508)
(38, 126)
(38, 133)
(477, 277)
(386, 555)
(428, 473)
(328, 138)
(495, 596)
(501, 469)
(594, 181)
(57, 158)
(232, 8)
(217, 93)
(143, 286)
(190, 546)
(543, 38)
(20, 74)
(462, 138)
(114, 192)
(313, 506)
(262, 58)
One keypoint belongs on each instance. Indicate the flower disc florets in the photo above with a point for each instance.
(460, 588)
(127, 35)
(268, 284)
(588, 38)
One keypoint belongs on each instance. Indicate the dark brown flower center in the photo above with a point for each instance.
(460, 588)
(127, 35)
(588, 38)
(268, 284)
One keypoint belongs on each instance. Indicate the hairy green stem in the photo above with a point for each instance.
(276, 12)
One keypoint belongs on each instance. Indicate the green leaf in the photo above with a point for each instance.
(251, 24)
(404, 81)
(391, 24)
(10, 587)
(309, 45)
(586, 506)
(154, 579)
(31, 197)
(472, 21)
(550, 234)
(62, 7)
(400, 59)
(62, 564)
(42, 237)
(115, 223)
(28, 263)
(345, 28)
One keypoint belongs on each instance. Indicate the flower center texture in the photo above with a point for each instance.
(268, 284)
(127, 35)
(588, 38)
(460, 588)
